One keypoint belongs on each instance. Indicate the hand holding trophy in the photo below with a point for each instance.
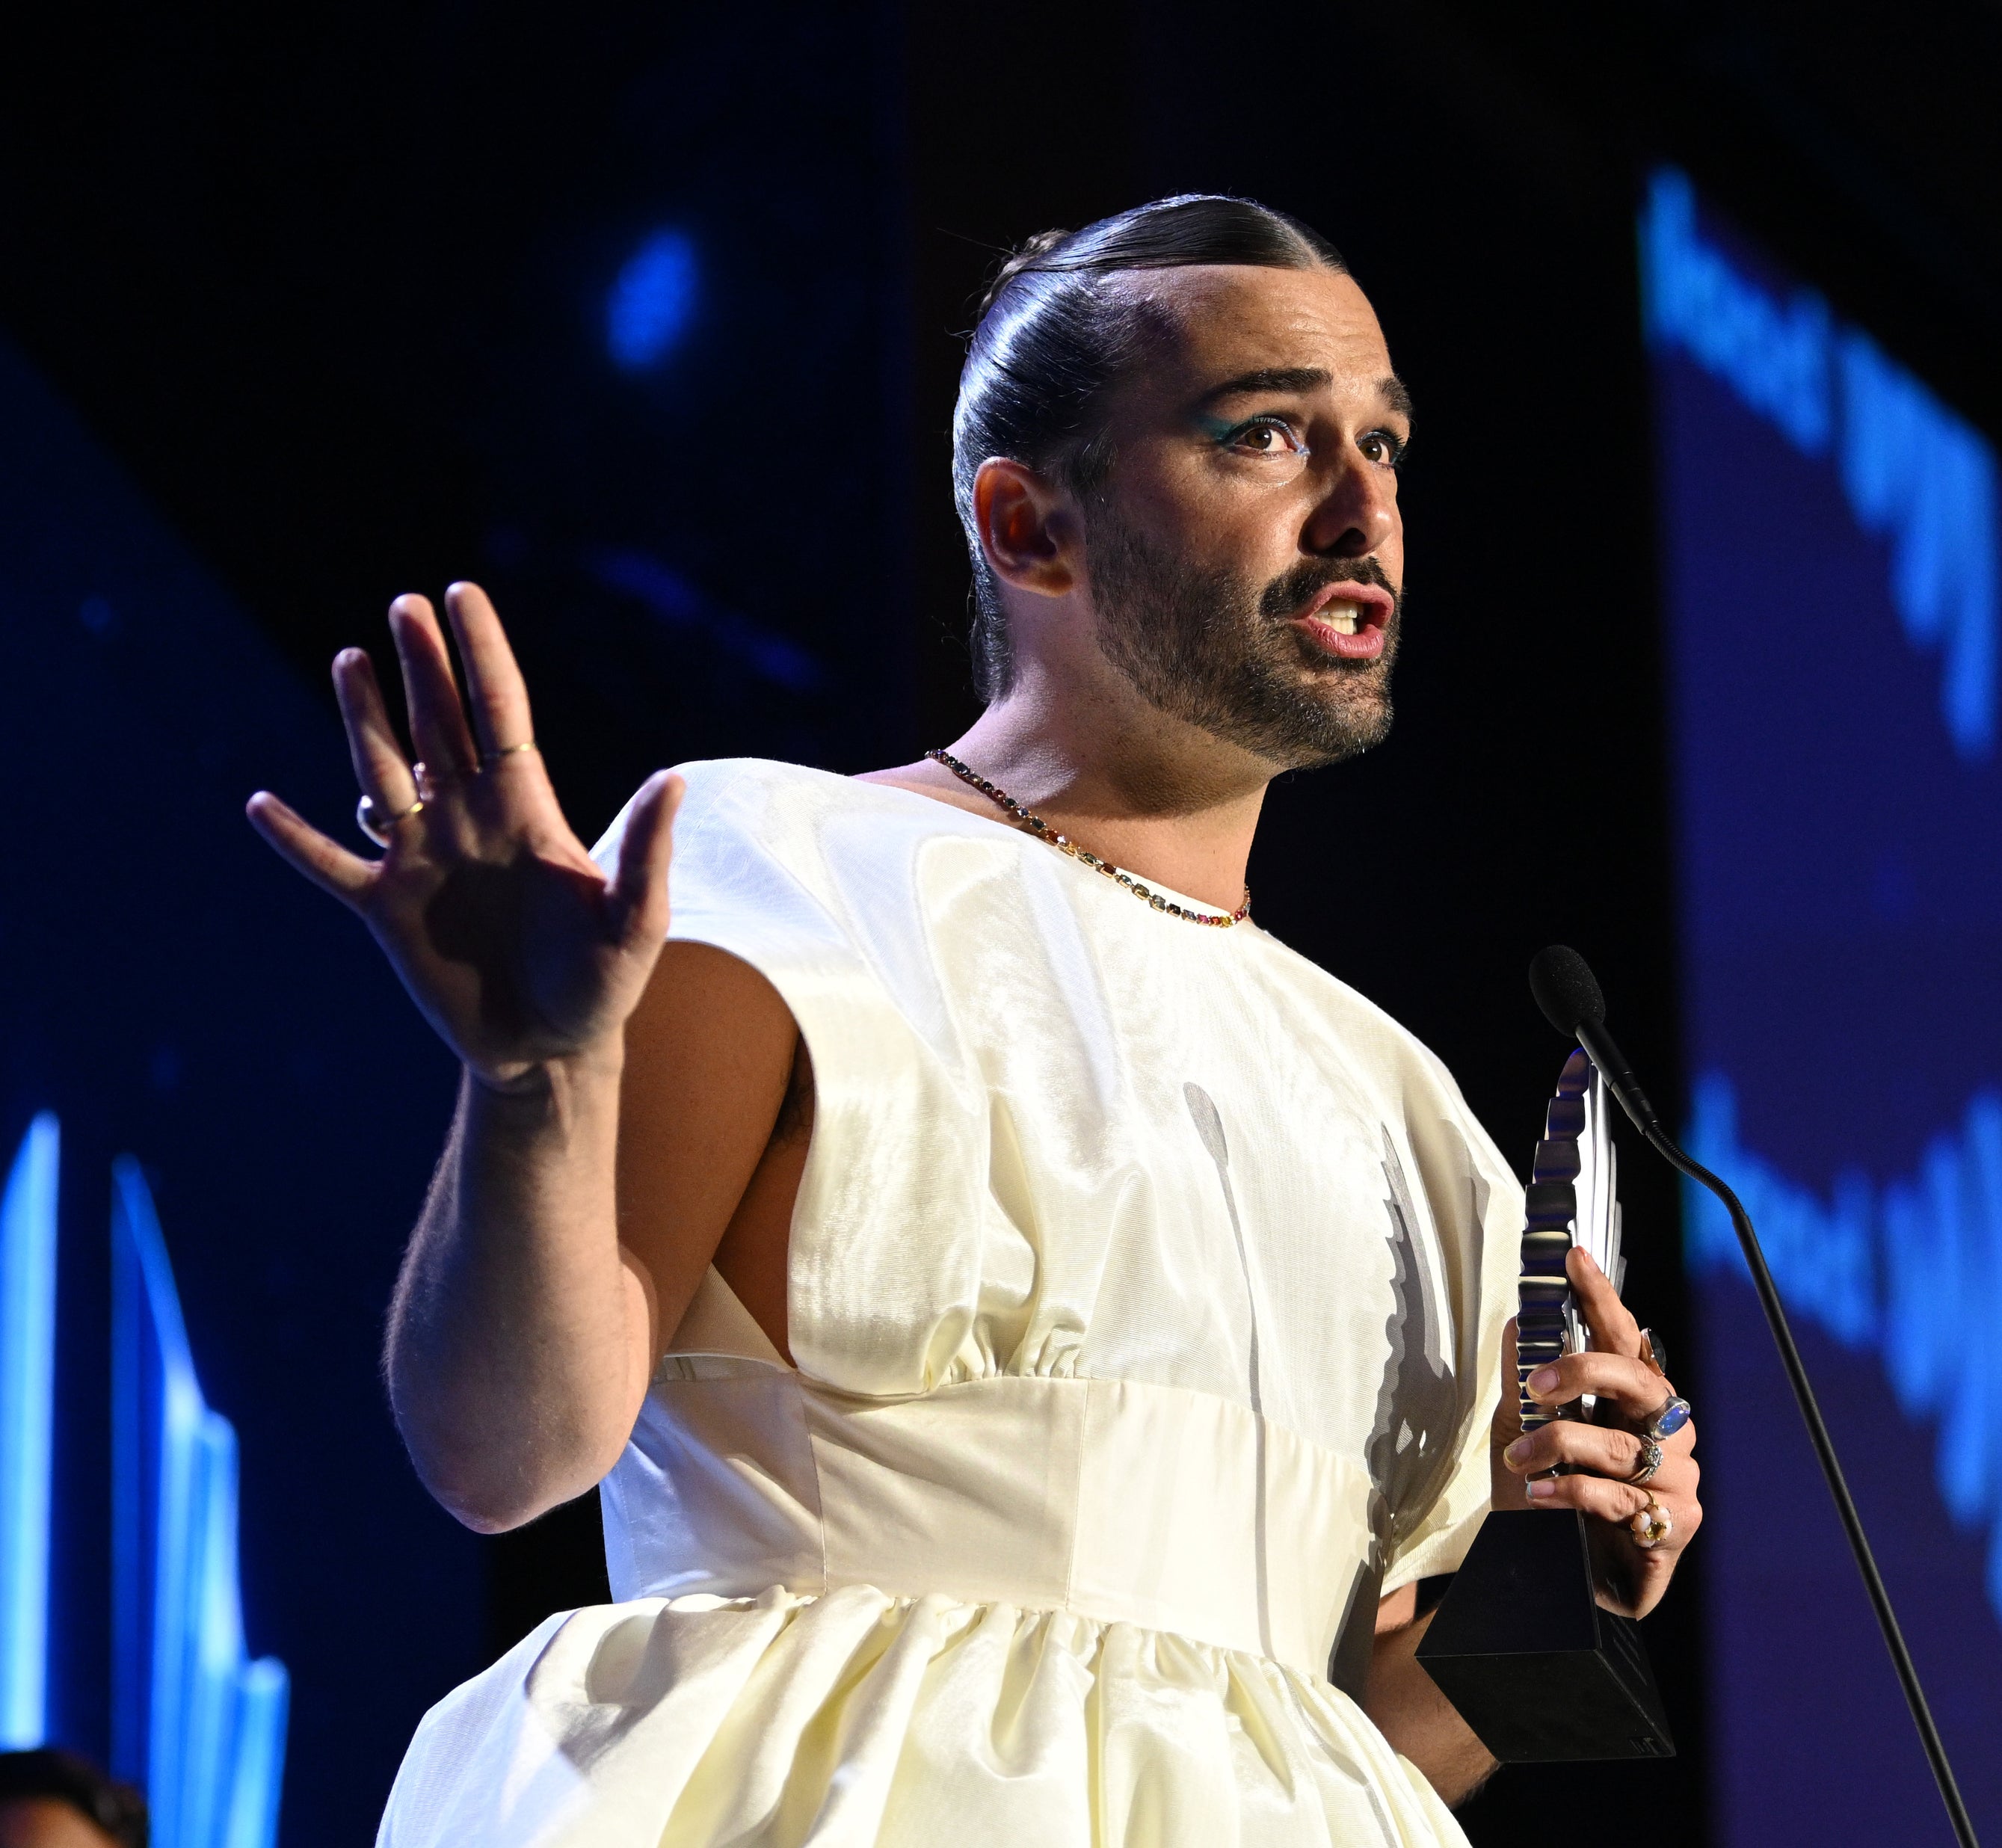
(1602, 1429)
(1535, 1643)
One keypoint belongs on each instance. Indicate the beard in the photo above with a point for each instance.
(1210, 648)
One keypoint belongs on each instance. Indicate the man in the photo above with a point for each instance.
(1033, 1332)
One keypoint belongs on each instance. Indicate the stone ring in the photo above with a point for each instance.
(1651, 1526)
(1666, 1419)
(1650, 1461)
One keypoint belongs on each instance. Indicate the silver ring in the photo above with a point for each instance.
(1650, 1461)
(1668, 1418)
(377, 830)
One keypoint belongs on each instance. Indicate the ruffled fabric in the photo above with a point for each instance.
(857, 1718)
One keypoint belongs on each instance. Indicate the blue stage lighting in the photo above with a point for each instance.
(1832, 600)
(652, 301)
(27, 1412)
(199, 1724)
(679, 604)
(1913, 470)
(1912, 1269)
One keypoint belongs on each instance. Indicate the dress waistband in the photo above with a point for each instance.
(1115, 1500)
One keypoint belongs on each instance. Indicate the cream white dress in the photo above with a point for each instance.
(1146, 1288)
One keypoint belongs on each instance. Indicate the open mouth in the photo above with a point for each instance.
(1348, 620)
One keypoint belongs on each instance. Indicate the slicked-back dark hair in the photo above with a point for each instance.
(1054, 338)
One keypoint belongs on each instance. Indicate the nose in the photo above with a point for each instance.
(1356, 514)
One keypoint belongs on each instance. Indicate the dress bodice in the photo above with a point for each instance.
(1127, 1254)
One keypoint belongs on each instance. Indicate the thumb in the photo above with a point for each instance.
(639, 886)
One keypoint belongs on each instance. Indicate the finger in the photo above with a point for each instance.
(1677, 1480)
(437, 719)
(379, 765)
(640, 887)
(300, 845)
(1597, 1448)
(495, 695)
(1635, 1389)
(1614, 1330)
(1507, 1424)
(1616, 1504)
(1615, 1501)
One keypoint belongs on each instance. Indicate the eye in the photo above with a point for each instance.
(1266, 438)
(1384, 446)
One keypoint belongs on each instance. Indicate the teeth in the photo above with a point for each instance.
(1343, 618)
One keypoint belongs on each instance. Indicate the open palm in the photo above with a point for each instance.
(517, 948)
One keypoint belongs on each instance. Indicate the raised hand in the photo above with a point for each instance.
(519, 951)
(1601, 1457)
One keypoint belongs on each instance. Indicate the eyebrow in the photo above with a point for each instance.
(1396, 393)
(1272, 378)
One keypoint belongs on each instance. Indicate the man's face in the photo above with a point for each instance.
(1245, 553)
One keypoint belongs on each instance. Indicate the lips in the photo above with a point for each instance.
(1348, 620)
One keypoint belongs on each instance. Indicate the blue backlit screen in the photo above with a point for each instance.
(1829, 531)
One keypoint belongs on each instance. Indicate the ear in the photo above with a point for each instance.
(1028, 528)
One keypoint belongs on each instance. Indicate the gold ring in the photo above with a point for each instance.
(1651, 1526)
(493, 757)
(377, 830)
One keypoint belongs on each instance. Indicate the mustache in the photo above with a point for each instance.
(1285, 594)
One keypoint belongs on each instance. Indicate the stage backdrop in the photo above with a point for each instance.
(1828, 533)
(171, 993)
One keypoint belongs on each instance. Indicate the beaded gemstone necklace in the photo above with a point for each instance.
(1038, 827)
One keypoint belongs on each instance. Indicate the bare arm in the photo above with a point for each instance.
(523, 1330)
(516, 1335)
(565, 1232)
(1411, 1713)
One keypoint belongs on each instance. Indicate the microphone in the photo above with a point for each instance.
(1567, 992)
(1569, 995)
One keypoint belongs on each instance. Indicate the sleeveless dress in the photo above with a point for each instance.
(1146, 1288)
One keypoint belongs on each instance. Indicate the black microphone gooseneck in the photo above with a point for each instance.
(1570, 998)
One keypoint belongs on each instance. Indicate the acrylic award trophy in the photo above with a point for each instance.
(1520, 1645)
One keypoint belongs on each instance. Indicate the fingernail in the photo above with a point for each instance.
(1519, 1449)
(1542, 1380)
(1542, 1490)
(1590, 1263)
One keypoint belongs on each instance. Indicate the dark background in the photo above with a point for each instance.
(1842, 955)
(328, 285)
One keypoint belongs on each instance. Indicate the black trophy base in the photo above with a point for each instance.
(1521, 1649)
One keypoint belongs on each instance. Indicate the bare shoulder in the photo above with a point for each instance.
(713, 1014)
(711, 1053)
(712, 1069)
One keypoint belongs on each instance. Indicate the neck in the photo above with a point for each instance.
(1161, 798)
